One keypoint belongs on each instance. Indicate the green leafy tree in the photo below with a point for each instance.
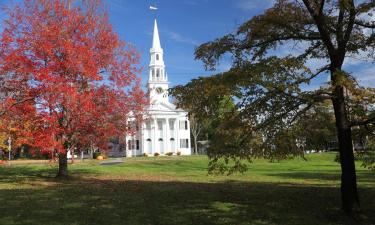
(203, 120)
(368, 156)
(268, 85)
(317, 127)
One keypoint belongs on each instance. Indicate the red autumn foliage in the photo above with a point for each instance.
(78, 77)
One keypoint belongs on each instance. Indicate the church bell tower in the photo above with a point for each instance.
(158, 81)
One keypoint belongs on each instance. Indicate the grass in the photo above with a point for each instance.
(177, 190)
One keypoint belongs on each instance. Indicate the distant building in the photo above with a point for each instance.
(166, 129)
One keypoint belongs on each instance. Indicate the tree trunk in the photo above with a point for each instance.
(63, 165)
(349, 194)
(72, 155)
(195, 145)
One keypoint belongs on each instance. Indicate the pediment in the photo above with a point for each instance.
(163, 106)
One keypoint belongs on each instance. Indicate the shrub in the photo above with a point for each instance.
(169, 153)
(145, 155)
(96, 154)
(178, 153)
(156, 154)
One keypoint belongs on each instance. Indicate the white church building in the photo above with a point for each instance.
(166, 129)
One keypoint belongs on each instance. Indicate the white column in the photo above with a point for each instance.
(177, 135)
(154, 141)
(167, 136)
(142, 141)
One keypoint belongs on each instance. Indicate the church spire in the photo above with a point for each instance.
(158, 81)
(156, 40)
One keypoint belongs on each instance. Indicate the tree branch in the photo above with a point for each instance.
(349, 28)
(319, 20)
(14, 104)
(321, 7)
(361, 23)
(363, 122)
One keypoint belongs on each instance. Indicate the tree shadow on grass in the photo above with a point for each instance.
(83, 200)
(363, 176)
(24, 174)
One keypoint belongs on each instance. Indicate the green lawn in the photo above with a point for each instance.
(177, 190)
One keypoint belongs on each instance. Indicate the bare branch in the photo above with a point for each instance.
(363, 122)
(365, 24)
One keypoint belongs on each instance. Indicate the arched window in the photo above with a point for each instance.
(160, 139)
(148, 139)
(157, 73)
(172, 139)
(157, 56)
(153, 73)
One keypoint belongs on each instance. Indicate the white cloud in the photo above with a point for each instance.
(250, 5)
(365, 75)
(180, 38)
(357, 59)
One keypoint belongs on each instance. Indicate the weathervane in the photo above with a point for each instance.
(154, 8)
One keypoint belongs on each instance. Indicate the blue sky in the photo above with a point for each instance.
(185, 24)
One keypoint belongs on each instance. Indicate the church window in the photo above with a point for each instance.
(172, 139)
(160, 125)
(184, 143)
(183, 125)
(171, 125)
(157, 73)
(133, 144)
(160, 139)
(148, 125)
(153, 73)
(157, 56)
(148, 139)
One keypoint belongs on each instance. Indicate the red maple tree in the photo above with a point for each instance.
(81, 78)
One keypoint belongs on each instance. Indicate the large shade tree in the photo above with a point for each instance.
(81, 78)
(269, 86)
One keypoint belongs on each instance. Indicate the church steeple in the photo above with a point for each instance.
(155, 39)
(157, 67)
(157, 82)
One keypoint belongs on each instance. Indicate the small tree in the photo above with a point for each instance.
(196, 128)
